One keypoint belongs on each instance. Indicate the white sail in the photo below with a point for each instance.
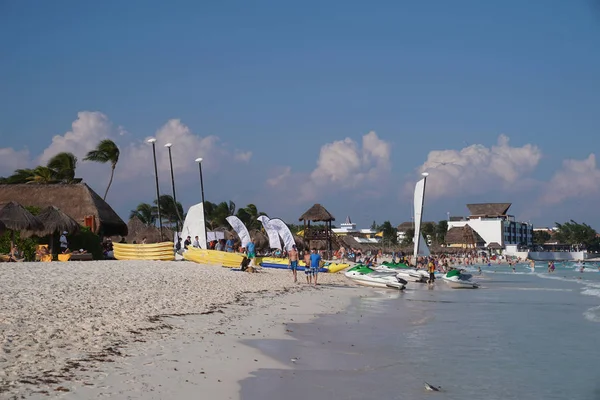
(418, 204)
(423, 248)
(239, 228)
(274, 241)
(194, 225)
(283, 231)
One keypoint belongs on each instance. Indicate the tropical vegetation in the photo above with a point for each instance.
(105, 152)
(59, 169)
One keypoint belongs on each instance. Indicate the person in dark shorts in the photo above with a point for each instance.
(431, 268)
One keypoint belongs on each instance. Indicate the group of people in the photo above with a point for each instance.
(312, 261)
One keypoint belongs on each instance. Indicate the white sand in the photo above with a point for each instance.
(59, 321)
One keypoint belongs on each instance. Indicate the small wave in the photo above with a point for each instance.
(591, 292)
(592, 314)
(542, 289)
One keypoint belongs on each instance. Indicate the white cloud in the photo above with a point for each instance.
(87, 130)
(280, 177)
(476, 168)
(11, 159)
(346, 165)
(342, 164)
(242, 156)
(576, 178)
(187, 146)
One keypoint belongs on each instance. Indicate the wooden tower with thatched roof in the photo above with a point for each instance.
(318, 213)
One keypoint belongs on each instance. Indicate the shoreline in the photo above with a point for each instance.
(65, 325)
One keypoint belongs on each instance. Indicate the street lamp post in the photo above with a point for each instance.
(153, 141)
(199, 161)
(168, 145)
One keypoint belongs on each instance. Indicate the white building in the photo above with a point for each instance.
(494, 225)
(360, 235)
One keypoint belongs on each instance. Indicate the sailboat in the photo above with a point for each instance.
(420, 246)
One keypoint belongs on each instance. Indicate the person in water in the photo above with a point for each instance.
(431, 268)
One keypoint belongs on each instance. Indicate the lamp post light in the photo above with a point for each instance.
(199, 161)
(153, 141)
(168, 145)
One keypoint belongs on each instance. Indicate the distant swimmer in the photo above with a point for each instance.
(582, 268)
(479, 270)
(432, 388)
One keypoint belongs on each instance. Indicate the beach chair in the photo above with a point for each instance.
(42, 253)
(64, 257)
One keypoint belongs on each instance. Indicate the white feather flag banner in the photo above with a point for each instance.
(239, 228)
(283, 231)
(274, 241)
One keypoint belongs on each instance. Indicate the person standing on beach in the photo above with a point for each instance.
(64, 244)
(251, 248)
(315, 263)
(293, 262)
(307, 270)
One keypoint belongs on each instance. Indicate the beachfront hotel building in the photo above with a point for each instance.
(497, 228)
(348, 228)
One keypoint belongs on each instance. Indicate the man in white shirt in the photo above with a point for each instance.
(64, 244)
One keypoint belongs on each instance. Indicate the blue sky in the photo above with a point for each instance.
(275, 82)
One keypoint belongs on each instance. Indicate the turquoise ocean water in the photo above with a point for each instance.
(523, 335)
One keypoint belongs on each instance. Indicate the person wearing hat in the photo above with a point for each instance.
(64, 244)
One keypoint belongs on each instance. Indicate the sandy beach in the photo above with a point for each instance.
(73, 329)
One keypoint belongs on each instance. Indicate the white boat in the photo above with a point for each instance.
(458, 280)
(376, 279)
(413, 275)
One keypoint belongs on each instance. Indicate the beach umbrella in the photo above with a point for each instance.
(16, 218)
(54, 221)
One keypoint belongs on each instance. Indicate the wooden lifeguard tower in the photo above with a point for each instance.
(318, 213)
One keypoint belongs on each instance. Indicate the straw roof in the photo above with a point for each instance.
(137, 231)
(76, 200)
(55, 220)
(317, 213)
(489, 209)
(2, 227)
(261, 241)
(494, 246)
(15, 217)
(456, 235)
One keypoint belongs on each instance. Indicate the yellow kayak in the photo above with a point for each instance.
(154, 251)
(214, 257)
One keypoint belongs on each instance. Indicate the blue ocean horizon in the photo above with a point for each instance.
(524, 334)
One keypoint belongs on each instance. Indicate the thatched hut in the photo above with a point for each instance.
(318, 213)
(261, 241)
(78, 201)
(137, 231)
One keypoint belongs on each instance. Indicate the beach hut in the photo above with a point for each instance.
(318, 213)
(16, 218)
(56, 221)
(137, 231)
(261, 241)
(78, 201)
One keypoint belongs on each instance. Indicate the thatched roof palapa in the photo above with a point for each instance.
(55, 220)
(76, 200)
(456, 235)
(494, 246)
(137, 231)
(15, 217)
(317, 213)
(488, 209)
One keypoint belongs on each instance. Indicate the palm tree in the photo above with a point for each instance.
(20, 176)
(248, 216)
(168, 211)
(63, 165)
(43, 175)
(216, 214)
(145, 212)
(106, 151)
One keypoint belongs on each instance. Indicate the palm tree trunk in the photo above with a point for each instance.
(112, 172)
